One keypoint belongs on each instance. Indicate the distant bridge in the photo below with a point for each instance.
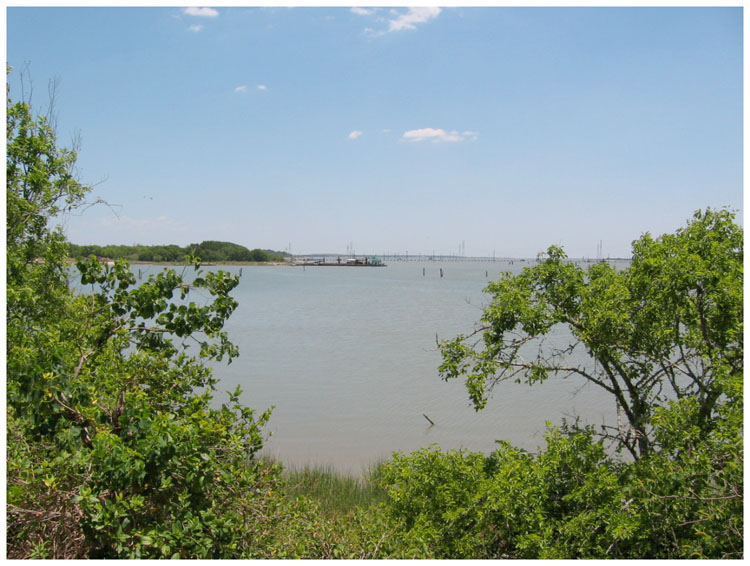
(442, 258)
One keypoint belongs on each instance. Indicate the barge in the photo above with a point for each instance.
(339, 262)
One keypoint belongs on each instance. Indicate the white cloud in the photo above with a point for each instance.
(438, 135)
(355, 134)
(243, 88)
(363, 11)
(399, 20)
(196, 28)
(414, 16)
(201, 12)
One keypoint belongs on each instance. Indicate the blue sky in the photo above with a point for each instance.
(392, 129)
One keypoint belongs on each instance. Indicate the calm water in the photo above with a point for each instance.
(348, 358)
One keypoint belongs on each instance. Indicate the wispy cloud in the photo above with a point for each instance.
(437, 135)
(399, 20)
(363, 11)
(355, 134)
(201, 12)
(196, 28)
(414, 16)
(243, 88)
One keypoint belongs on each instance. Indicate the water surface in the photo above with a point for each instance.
(348, 357)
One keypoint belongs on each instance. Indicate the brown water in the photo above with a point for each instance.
(348, 358)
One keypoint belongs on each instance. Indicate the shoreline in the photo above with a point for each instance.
(72, 261)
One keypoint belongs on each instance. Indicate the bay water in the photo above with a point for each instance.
(348, 358)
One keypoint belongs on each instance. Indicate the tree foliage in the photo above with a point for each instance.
(664, 338)
(572, 499)
(207, 251)
(115, 447)
(666, 328)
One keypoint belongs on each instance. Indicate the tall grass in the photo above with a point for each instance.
(336, 493)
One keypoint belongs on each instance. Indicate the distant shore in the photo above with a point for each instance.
(72, 261)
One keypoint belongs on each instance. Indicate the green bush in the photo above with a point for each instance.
(573, 500)
(114, 447)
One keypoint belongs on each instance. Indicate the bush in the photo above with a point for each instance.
(572, 500)
(114, 447)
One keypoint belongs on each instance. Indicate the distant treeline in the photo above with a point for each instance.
(207, 251)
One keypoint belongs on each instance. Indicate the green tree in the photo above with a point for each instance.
(40, 184)
(572, 499)
(115, 446)
(666, 328)
(664, 338)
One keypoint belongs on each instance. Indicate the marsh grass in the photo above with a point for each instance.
(335, 492)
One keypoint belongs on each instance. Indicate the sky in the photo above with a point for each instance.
(491, 131)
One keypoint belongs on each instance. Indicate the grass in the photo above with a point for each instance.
(336, 493)
(321, 513)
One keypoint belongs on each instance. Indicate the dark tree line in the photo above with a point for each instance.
(207, 251)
